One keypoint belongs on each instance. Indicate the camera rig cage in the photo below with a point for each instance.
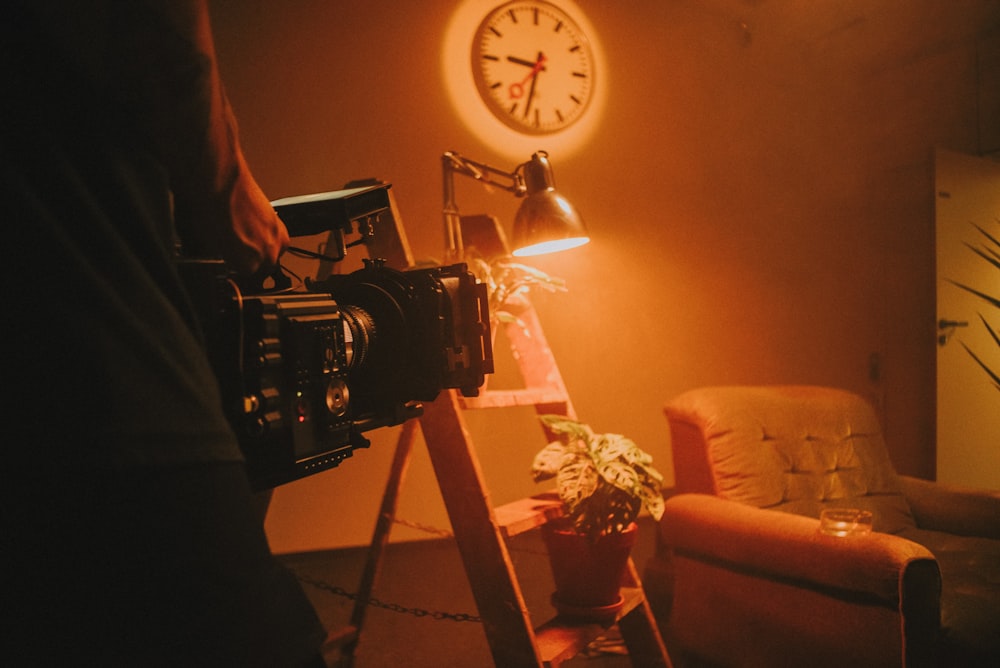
(304, 372)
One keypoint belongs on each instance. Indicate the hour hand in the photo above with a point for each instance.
(521, 61)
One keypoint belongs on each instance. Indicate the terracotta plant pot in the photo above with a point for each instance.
(588, 574)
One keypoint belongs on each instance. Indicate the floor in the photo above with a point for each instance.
(419, 615)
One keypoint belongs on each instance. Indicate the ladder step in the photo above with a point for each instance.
(521, 397)
(563, 638)
(526, 514)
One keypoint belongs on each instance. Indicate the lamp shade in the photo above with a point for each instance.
(545, 222)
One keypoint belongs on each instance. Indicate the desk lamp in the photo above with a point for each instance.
(545, 222)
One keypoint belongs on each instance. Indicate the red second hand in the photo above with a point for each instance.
(517, 88)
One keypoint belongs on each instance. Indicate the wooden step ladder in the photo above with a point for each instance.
(481, 530)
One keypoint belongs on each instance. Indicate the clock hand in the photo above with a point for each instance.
(534, 80)
(531, 96)
(521, 61)
(517, 88)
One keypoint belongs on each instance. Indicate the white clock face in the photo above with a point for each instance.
(533, 66)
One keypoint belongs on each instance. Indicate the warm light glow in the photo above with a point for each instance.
(564, 204)
(545, 222)
(551, 246)
(456, 70)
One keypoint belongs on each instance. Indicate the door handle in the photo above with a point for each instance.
(947, 328)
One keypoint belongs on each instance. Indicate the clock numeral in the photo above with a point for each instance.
(495, 31)
(513, 17)
(559, 26)
(535, 13)
(559, 116)
(575, 98)
(495, 86)
(489, 57)
(538, 118)
(580, 75)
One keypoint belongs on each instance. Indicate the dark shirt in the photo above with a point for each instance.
(105, 351)
(130, 535)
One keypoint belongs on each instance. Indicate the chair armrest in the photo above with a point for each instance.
(788, 547)
(952, 508)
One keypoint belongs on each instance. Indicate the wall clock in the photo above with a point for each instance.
(533, 66)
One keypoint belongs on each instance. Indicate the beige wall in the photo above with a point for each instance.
(759, 194)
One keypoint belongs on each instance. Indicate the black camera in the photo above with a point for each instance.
(305, 372)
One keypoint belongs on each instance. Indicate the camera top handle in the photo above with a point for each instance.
(338, 212)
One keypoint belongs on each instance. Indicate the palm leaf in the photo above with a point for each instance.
(990, 252)
(979, 293)
(989, 372)
(992, 239)
(993, 332)
(996, 339)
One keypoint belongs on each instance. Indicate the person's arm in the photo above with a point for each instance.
(170, 79)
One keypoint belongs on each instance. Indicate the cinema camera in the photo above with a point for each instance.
(304, 372)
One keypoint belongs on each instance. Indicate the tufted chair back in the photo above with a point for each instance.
(792, 448)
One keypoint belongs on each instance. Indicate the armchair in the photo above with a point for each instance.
(743, 577)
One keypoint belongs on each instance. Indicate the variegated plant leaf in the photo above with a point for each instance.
(610, 447)
(647, 472)
(547, 462)
(620, 475)
(576, 481)
(652, 498)
(639, 457)
(568, 428)
(603, 480)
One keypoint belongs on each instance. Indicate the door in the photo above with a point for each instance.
(968, 403)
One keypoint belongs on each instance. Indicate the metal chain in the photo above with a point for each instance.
(393, 607)
(608, 644)
(424, 527)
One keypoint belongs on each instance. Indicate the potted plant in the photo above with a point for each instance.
(508, 281)
(604, 481)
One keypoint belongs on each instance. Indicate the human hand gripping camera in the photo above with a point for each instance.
(305, 370)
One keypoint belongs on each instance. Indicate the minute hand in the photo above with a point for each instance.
(534, 80)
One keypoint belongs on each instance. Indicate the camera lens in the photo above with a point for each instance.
(359, 331)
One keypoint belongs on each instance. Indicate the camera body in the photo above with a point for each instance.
(304, 373)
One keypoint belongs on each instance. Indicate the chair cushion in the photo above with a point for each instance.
(796, 449)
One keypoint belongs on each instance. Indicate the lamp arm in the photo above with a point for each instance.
(456, 164)
(453, 244)
(451, 164)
